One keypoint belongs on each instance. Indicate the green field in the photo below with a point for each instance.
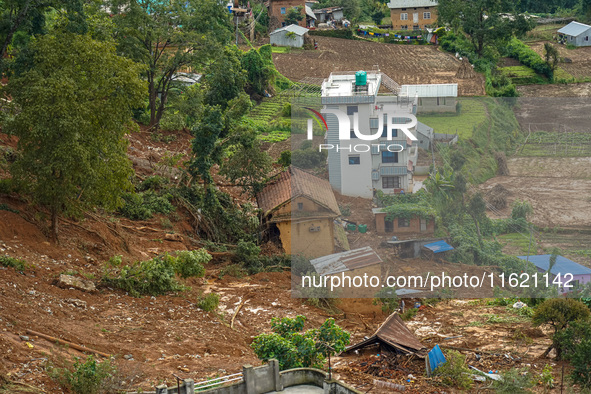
(522, 75)
(545, 143)
(472, 114)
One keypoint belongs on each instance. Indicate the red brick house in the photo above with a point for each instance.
(396, 226)
(279, 8)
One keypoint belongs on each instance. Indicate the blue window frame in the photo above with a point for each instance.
(354, 160)
(389, 157)
(283, 10)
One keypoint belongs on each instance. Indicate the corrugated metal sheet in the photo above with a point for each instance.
(346, 261)
(310, 13)
(562, 265)
(432, 90)
(299, 30)
(393, 170)
(394, 333)
(411, 3)
(439, 246)
(574, 29)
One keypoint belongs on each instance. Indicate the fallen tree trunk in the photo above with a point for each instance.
(69, 344)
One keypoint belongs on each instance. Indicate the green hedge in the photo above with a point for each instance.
(341, 33)
(527, 56)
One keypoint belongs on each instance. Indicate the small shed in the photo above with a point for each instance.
(580, 274)
(392, 336)
(436, 249)
(577, 34)
(289, 36)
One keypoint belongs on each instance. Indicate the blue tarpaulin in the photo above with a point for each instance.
(439, 246)
(436, 358)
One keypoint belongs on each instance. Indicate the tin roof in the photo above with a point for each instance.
(411, 3)
(562, 265)
(299, 30)
(346, 261)
(439, 246)
(394, 333)
(574, 29)
(309, 12)
(294, 183)
(430, 90)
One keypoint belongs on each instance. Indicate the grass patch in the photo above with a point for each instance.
(280, 49)
(522, 75)
(547, 143)
(472, 114)
(11, 262)
(520, 241)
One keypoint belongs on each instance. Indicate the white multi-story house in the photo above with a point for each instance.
(358, 167)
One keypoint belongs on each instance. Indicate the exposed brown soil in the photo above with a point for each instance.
(406, 64)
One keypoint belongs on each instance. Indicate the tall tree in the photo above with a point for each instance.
(488, 23)
(167, 37)
(294, 15)
(28, 16)
(74, 108)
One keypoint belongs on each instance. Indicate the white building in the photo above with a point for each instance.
(360, 167)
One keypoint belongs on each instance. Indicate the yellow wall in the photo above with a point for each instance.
(399, 24)
(297, 238)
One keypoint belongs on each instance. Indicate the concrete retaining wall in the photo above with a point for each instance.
(267, 378)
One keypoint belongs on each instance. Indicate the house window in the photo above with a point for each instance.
(403, 222)
(404, 16)
(389, 157)
(426, 15)
(351, 109)
(416, 27)
(385, 132)
(390, 182)
(389, 226)
(300, 206)
(354, 160)
(403, 9)
(586, 38)
(283, 10)
(404, 27)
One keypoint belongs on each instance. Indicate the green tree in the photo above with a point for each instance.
(29, 16)
(169, 36)
(575, 342)
(248, 166)
(483, 21)
(559, 313)
(294, 16)
(294, 348)
(521, 209)
(551, 56)
(377, 16)
(477, 210)
(74, 109)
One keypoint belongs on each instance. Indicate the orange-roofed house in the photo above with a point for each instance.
(300, 208)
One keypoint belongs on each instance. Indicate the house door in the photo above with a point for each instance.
(389, 226)
(423, 225)
(415, 18)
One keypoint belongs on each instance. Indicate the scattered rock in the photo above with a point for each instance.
(24, 338)
(173, 237)
(67, 281)
(76, 302)
(128, 357)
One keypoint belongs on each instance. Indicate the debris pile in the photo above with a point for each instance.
(497, 197)
(466, 71)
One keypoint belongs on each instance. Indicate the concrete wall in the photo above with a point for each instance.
(414, 228)
(436, 104)
(296, 237)
(266, 378)
(399, 24)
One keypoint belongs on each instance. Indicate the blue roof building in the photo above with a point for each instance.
(580, 273)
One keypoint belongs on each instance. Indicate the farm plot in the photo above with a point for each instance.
(577, 62)
(406, 64)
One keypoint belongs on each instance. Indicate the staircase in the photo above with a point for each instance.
(390, 84)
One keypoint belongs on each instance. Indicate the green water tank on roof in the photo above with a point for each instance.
(361, 78)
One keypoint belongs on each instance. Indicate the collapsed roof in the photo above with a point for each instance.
(393, 335)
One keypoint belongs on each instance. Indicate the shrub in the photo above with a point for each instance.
(209, 302)
(307, 158)
(86, 377)
(142, 206)
(150, 277)
(527, 56)
(247, 252)
(409, 314)
(190, 263)
(12, 262)
(386, 298)
(575, 343)
(513, 381)
(454, 372)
